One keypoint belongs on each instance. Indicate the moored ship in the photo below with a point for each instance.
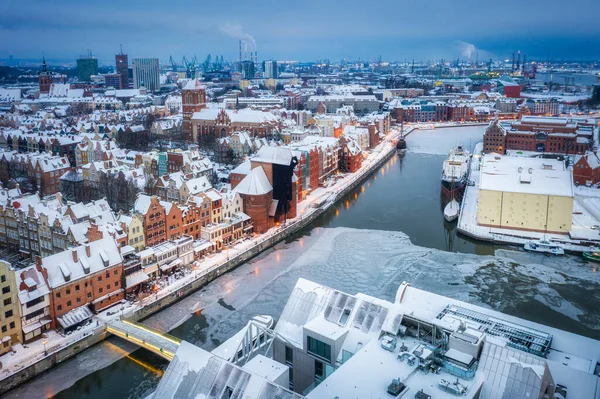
(544, 246)
(401, 144)
(455, 172)
(593, 254)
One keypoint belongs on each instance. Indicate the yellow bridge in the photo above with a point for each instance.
(162, 344)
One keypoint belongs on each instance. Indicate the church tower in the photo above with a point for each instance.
(193, 99)
(45, 79)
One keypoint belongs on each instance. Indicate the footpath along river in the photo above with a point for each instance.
(386, 231)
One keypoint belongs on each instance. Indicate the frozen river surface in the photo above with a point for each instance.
(559, 293)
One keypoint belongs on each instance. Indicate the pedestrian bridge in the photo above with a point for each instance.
(162, 344)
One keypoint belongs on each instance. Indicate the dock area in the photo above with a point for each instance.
(583, 234)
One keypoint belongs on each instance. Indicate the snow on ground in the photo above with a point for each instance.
(441, 141)
(26, 354)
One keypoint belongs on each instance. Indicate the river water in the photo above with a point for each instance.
(583, 79)
(386, 231)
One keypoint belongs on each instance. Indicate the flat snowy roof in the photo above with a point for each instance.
(525, 175)
(371, 369)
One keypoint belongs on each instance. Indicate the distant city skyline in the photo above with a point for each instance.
(396, 31)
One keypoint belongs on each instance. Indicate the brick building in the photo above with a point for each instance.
(195, 215)
(587, 169)
(220, 123)
(352, 155)
(541, 134)
(494, 138)
(43, 169)
(238, 174)
(193, 99)
(44, 79)
(257, 194)
(508, 87)
(174, 162)
(154, 214)
(173, 220)
(87, 275)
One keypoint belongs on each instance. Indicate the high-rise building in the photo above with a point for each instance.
(146, 73)
(247, 69)
(270, 69)
(113, 80)
(596, 92)
(45, 79)
(122, 67)
(86, 66)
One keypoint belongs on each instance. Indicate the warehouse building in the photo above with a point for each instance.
(531, 194)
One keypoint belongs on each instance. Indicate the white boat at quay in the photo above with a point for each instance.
(451, 210)
(427, 126)
(544, 246)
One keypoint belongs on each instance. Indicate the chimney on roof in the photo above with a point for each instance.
(74, 253)
(38, 262)
(87, 250)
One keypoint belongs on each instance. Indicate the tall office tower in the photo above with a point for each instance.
(146, 73)
(270, 69)
(247, 69)
(112, 80)
(122, 69)
(87, 65)
(45, 79)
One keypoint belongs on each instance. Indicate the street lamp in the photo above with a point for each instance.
(45, 351)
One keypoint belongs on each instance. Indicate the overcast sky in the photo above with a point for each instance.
(301, 30)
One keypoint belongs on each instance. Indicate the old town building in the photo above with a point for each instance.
(134, 225)
(540, 134)
(87, 275)
(351, 160)
(34, 300)
(10, 315)
(257, 194)
(193, 99)
(173, 220)
(586, 170)
(154, 219)
(218, 123)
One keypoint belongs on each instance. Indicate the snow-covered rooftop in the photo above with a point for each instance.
(255, 183)
(525, 175)
(357, 323)
(244, 115)
(196, 373)
(65, 267)
(274, 155)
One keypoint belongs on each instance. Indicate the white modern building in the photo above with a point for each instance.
(423, 345)
(271, 70)
(146, 73)
(329, 344)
